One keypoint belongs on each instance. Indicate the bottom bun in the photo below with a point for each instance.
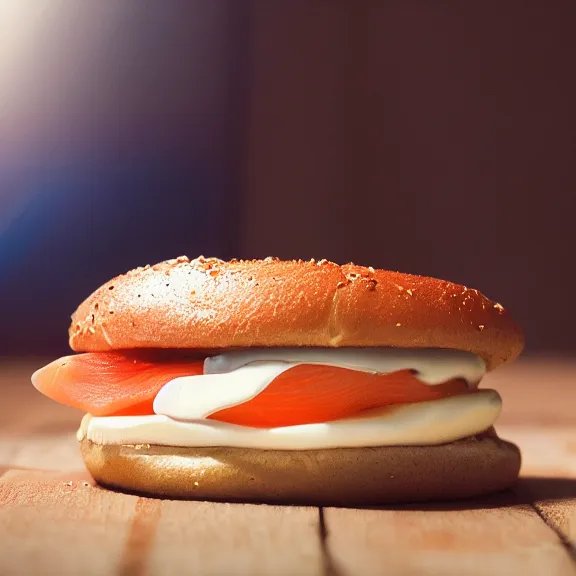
(344, 476)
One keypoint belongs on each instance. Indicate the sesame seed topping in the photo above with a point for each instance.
(398, 324)
(409, 292)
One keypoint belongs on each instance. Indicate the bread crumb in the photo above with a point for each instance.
(398, 324)
(371, 284)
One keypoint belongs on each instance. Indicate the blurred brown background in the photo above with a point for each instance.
(435, 138)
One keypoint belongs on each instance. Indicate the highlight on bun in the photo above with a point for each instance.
(208, 303)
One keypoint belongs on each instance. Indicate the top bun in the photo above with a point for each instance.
(207, 303)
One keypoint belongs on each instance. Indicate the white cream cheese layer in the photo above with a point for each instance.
(234, 378)
(422, 423)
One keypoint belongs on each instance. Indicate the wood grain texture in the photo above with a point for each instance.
(237, 539)
(560, 515)
(61, 523)
(536, 391)
(437, 542)
(57, 523)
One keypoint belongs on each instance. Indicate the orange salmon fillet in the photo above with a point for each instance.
(126, 383)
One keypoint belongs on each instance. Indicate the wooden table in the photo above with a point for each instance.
(53, 520)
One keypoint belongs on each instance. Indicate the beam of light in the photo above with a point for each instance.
(20, 22)
(83, 83)
(48, 49)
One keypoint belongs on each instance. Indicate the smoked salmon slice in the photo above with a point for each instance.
(126, 383)
(112, 383)
(308, 394)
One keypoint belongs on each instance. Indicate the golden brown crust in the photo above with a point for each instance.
(347, 476)
(207, 303)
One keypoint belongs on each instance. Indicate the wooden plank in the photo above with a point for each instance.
(58, 523)
(549, 475)
(554, 498)
(237, 539)
(41, 452)
(62, 522)
(536, 391)
(560, 515)
(444, 541)
(546, 451)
